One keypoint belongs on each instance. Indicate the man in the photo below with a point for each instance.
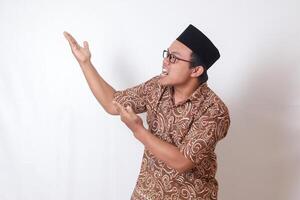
(186, 118)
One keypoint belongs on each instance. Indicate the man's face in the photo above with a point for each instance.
(177, 73)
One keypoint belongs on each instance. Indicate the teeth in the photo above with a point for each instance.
(164, 71)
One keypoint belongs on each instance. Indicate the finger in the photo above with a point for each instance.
(130, 110)
(86, 44)
(124, 112)
(116, 106)
(73, 43)
(69, 37)
(119, 107)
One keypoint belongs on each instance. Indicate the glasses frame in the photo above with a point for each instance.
(176, 58)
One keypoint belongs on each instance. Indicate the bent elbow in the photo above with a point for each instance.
(112, 112)
(110, 109)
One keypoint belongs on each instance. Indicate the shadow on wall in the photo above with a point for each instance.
(262, 155)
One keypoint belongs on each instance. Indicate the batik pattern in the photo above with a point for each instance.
(194, 126)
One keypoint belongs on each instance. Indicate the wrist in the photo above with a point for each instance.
(139, 131)
(86, 63)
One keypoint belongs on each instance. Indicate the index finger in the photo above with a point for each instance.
(70, 39)
(118, 107)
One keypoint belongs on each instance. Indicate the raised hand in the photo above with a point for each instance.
(82, 54)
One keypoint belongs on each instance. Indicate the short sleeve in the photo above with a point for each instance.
(204, 133)
(136, 96)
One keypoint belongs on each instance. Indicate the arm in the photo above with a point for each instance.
(164, 151)
(199, 142)
(99, 87)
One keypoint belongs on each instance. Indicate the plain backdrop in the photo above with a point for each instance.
(56, 141)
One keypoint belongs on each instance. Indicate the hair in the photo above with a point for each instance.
(197, 61)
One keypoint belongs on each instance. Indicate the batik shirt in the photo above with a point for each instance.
(194, 126)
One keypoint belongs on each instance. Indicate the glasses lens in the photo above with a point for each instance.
(165, 53)
(172, 58)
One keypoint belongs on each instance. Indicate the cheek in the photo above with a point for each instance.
(179, 73)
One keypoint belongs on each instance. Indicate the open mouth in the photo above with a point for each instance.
(164, 72)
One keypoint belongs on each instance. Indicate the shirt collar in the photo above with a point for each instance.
(198, 94)
(196, 97)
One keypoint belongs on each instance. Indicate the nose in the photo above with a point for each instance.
(166, 61)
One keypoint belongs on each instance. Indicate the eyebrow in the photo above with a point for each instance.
(174, 52)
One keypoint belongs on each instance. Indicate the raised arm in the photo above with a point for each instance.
(99, 87)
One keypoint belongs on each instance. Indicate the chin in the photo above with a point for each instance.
(163, 80)
(166, 81)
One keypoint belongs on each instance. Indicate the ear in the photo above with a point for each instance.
(197, 71)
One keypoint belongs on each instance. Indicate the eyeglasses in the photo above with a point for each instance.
(172, 58)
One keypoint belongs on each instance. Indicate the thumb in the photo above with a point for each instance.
(117, 106)
(86, 44)
(130, 110)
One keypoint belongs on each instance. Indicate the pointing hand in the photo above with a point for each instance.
(129, 117)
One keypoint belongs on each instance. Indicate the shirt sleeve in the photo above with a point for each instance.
(136, 96)
(204, 133)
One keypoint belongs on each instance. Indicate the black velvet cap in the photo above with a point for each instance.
(194, 39)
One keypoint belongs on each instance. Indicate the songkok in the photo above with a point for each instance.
(194, 39)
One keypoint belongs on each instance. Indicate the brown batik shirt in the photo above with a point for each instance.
(194, 126)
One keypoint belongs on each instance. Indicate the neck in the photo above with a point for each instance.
(182, 92)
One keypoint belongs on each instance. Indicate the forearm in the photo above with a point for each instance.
(164, 151)
(99, 87)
